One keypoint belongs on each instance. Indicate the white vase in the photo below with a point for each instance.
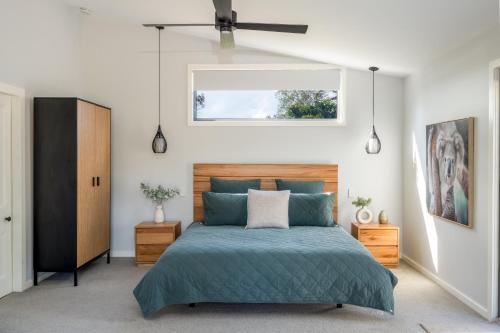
(364, 215)
(159, 216)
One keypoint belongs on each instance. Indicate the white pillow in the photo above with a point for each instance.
(267, 209)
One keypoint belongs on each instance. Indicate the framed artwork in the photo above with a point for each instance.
(450, 170)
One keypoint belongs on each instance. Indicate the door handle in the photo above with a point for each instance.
(93, 181)
(98, 181)
(8, 218)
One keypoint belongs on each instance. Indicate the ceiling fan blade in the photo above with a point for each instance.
(154, 25)
(223, 9)
(290, 28)
(226, 39)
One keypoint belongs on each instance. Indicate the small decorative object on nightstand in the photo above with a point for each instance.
(151, 240)
(382, 217)
(159, 195)
(382, 240)
(363, 215)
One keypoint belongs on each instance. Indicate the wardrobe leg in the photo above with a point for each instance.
(35, 277)
(75, 278)
(108, 257)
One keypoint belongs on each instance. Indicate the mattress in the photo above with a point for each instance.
(230, 264)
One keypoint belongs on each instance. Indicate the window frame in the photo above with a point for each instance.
(341, 96)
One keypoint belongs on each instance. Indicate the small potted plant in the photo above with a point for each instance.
(363, 215)
(159, 195)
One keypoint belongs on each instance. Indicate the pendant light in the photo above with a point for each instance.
(373, 145)
(159, 142)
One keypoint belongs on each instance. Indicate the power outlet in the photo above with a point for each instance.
(351, 193)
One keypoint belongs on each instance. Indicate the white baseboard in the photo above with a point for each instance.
(41, 276)
(27, 284)
(448, 287)
(122, 254)
(44, 275)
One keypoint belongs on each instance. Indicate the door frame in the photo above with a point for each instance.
(21, 183)
(493, 198)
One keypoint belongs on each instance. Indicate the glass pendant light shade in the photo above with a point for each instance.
(373, 145)
(159, 142)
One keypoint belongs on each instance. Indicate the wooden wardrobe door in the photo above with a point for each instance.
(103, 151)
(86, 170)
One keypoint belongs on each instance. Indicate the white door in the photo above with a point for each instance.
(5, 196)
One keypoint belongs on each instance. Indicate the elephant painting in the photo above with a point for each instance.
(450, 170)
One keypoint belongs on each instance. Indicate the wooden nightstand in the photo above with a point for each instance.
(382, 240)
(151, 240)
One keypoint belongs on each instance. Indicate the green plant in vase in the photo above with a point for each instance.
(159, 195)
(363, 214)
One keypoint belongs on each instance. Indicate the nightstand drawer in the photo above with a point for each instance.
(150, 253)
(386, 255)
(154, 237)
(378, 237)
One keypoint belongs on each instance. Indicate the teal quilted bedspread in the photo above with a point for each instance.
(229, 264)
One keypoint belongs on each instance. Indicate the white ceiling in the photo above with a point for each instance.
(397, 35)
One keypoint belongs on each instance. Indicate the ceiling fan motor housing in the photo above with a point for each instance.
(224, 23)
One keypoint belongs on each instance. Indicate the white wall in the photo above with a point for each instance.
(39, 52)
(452, 87)
(120, 70)
(39, 46)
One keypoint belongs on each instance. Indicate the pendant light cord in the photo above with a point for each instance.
(159, 75)
(373, 99)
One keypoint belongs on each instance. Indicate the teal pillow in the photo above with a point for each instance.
(311, 209)
(218, 185)
(300, 186)
(224, 208)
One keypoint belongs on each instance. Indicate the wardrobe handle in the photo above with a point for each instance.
(93, 181)
(98, 180)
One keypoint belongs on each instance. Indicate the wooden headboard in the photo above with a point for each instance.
(268, 173)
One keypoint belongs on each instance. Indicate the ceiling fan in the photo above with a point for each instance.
(226, 22)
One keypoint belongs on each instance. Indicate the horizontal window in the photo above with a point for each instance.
(264, 104)
(265, 95)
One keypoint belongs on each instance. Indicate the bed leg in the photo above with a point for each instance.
(339, 306)
(192, 305)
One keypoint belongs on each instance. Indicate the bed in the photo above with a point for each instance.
(231, 264)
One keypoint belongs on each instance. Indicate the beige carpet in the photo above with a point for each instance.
(104, 303)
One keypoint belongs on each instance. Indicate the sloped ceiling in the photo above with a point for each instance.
(397, 35)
